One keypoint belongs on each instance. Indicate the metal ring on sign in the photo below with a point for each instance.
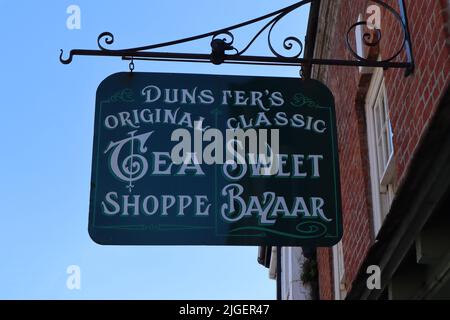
(131, 65)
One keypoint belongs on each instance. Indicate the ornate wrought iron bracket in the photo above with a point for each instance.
(223, 50)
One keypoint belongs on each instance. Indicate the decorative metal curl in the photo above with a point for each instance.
(228, 34)
(367, 37)
(288, 43)
(107, 37)
(219, 46)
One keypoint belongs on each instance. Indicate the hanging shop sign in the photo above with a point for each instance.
(184, 159)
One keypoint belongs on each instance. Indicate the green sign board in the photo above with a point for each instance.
(164, 171)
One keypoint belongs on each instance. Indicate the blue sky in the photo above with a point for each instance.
(47, 113)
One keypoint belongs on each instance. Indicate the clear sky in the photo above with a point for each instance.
(47, 113)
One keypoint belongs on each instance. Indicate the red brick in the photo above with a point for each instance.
(412, 102)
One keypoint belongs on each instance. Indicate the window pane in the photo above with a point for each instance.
(380, 159)
(382, 148)
(381, 98)
(385, 149)
(376, 112)
(390, 139)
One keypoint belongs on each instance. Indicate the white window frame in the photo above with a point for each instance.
(382, 183)
(339, 272)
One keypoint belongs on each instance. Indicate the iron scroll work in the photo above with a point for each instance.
(223, 50)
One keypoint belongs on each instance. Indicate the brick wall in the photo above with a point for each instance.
(412, 102)
(445, 4)
(324, 267)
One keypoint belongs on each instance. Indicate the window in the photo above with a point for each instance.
(339, 272)
(381, 149)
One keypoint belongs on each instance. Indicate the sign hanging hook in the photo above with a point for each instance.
(131, 65)
(301, 73)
